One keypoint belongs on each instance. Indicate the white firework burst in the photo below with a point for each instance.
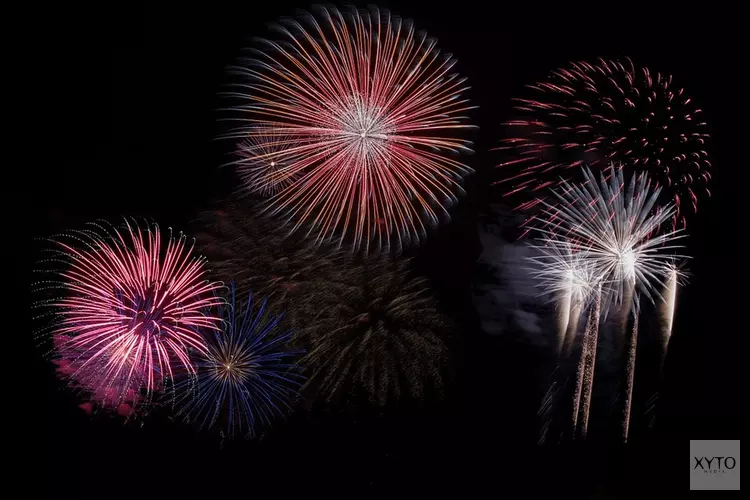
(563, 271)
(615, 225)
(264, 161)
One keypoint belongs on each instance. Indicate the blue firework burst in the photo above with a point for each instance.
(247, 377)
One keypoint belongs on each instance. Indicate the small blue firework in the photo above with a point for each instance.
(247, 377)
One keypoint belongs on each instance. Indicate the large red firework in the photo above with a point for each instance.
(361, 111)
(595, 114)
(130, 312)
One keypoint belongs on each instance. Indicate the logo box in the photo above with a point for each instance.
(715, 465)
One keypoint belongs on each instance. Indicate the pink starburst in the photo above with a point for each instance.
(131, 311)
(363, 114)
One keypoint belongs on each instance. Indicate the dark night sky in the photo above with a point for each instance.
(130, 99)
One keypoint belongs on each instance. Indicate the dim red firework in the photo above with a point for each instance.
(131, 310)
(594, 114)
(363, 112)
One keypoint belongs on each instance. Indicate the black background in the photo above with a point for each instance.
(127, 121)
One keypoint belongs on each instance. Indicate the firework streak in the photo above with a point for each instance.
(361, 112)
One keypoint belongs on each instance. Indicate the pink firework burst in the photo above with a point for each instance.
(595, 114)
(363, 112)
(131, 310)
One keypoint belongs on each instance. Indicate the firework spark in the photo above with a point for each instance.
(591, 114)
(131, 310)
(246, 377)
(361, 111)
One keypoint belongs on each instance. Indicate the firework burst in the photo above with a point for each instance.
(362, 113)
(592, 114)
(131, 309)
(615, 223)
(263, 167)
(378, 332)
(569, 276)
(247, 375)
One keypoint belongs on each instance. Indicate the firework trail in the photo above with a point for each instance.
(667, 311)
(593, 114)
(630, 375)
(132, 308)
(580, 371)
(564, 314)
(246, 377)
(591, 338)
(363, 113)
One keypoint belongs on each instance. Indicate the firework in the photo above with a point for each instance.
(592, 114)
(377, 333)
(569, 276)
(615, 223)
(361, 111)
(247, 375)
(131, 309)
(262, 166)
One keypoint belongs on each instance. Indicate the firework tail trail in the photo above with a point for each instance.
(564, 313)
(579, 384)
(571, 330)
(630, 376)
(666, 322)
(570, 315)
(667, 314)
(591, 338)
(569, 341)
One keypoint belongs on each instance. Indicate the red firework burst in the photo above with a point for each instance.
(131, 311)
(361, 111)
(595, 114)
